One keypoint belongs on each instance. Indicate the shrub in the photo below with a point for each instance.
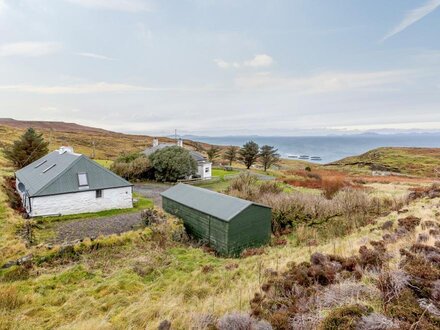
(346, 292)
(391, 283)
(14, 199)
(332, 186)
(172, 163)
(241, 321)
(132, 167)
(376, 321)
(409, 223)
(343, 318)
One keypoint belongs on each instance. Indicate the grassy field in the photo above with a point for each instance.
(136, 280)
(412, 161)
(221, 172)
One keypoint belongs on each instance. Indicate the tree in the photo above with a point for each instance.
(268, 156)
(213, 153)
(27, 149)
(249, 153)
(231, 154)
(132, 166)
(172, 163)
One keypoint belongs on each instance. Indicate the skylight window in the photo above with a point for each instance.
(47, 169)
(43, 162)
(82, 180)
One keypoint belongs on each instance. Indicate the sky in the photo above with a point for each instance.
(225, 67)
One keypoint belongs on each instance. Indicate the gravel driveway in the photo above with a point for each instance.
(80, 229)
(151, 191)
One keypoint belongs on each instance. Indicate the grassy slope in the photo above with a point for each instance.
(411, 161)
(108, 144)
(103, 291)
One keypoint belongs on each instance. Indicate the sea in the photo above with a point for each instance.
(326, 149)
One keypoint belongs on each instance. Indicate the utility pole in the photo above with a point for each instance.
(93, 149)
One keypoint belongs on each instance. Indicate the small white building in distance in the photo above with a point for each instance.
(64, 182)
(204, 167)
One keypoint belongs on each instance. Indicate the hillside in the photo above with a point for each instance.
(94, 142)
(409, 161)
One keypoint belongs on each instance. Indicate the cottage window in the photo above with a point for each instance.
(206, 169)
(82, 180)
(98, 193)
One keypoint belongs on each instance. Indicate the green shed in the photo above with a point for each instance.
(227, 223)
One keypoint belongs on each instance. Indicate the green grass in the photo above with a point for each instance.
(221, 172)
(216, 185)
(104, 162)
(140, 204)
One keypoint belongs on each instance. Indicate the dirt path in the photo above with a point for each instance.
(79, 229)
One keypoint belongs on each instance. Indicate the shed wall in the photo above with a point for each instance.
(200, 225)
(250, 228)
(82, 202)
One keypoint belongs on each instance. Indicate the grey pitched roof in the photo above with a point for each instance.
(160, 146)
(57, 173)
(210, 202)
(197, 156)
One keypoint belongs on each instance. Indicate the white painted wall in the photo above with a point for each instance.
(82, 202)
(204, 170)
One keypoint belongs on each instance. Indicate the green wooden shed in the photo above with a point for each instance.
(228, 224)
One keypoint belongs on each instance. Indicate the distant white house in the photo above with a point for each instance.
(64, 182)
(204, 167)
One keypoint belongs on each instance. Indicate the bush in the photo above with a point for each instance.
(14, 199)
(376, 321)
(332, 186)
(343, 318)
(132, 167)
(172, 163)
(241, 321)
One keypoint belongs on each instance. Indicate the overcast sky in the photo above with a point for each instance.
(222, 67)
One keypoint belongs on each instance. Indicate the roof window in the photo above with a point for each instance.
(50, 167)
(43, 162)
(82, 179)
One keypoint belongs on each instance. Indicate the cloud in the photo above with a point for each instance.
(117, 5)
(226, 65)
(2, 6)
(412, 17)
(101, 87)
(325, 82)
(96, 56)
(94, 88)
(260, 60)
(29, 49)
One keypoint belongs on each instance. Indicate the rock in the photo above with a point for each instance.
(9, 264)
(25, 259)
(164, 325)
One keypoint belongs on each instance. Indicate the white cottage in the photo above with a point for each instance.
(204, 167)
(64, 182)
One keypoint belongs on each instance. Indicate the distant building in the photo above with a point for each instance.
(64, 182)
(227, 224)
(204, 167)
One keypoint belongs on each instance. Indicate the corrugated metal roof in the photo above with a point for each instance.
(57, 173)
(197, 156)
(210, 202)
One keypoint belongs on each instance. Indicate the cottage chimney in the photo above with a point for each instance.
(65, 149)
(180, 143)
(155, 142)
